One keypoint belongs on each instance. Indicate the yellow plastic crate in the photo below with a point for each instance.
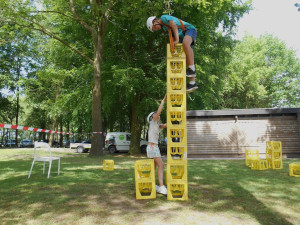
(177, 190)
(176, 101)
(176, 84)
(176, 137)
(274, 145)
(176, 154)
(176, 172)
(260, 164)
(144, 170)
(176, 67)
(179, 52)
(251, 156)
(177, 117)
(294, 169)
(108, 165)
(145, 190)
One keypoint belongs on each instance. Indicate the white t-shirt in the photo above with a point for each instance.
(153, 132)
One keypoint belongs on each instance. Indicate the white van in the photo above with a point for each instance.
(120, 142)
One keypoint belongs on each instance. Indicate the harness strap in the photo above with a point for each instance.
(170, 33)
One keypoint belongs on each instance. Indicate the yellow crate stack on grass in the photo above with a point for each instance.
(144, 179)
(274, 154)
(176, 173)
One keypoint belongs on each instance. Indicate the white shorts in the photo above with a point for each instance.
(153, 151)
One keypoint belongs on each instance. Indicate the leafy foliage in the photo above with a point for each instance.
(263, 73)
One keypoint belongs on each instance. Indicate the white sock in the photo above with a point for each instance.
(192, 67)
(192, 82)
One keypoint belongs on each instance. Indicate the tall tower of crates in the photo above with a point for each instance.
(176, 174)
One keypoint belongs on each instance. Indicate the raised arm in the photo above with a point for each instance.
(160, 108)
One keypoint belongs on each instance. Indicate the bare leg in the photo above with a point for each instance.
(160, 172)
(187, 41)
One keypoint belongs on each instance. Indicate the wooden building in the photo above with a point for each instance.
(228, 133)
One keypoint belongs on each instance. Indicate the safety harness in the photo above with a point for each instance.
(171, 35)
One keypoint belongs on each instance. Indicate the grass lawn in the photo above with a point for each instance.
(220, 192)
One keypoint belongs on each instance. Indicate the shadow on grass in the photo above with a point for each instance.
(84, 189)
(218, 188)
(81, 186)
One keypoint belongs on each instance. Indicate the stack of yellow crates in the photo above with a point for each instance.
(144, 179)
(176, 174)
(274, 154)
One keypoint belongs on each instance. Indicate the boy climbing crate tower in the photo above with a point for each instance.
(176, 174)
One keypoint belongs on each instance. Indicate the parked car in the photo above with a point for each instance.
(26, 143)
(120, 142)
(84, 146)
(11, 143)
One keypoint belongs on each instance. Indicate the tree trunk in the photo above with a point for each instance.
(97, 129)
(61, 135)
(135, 129)
(51, 139)
(18, 97)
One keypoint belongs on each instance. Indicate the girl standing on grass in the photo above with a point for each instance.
(153, 151)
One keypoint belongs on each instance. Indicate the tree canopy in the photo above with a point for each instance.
(93, 66)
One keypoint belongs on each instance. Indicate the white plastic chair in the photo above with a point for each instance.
(44, 159)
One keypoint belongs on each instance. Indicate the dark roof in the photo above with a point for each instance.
(243, 112)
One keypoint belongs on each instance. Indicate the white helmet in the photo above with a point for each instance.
(148, 118)
(150, 22)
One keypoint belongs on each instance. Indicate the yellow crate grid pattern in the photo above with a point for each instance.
(176, 154)
(260, 164)
(176, 101)
(251, 156)
(108, 165)
(144, 179)
(177, 190)
(177, 54)
(274, 154)
(176, 84)
(176, 173)
(294, 169)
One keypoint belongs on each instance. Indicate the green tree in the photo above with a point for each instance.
(17, 59)
(137, 59)
(263, 73)
(92, 16)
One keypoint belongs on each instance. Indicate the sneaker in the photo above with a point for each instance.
(156, 188)
(190, 72)
(162, 190)
(191, 88)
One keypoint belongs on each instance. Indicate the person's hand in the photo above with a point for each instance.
(165, 98)
(175, 42)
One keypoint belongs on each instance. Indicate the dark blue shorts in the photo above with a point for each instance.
(193, 34)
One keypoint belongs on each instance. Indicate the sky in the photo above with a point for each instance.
(278, 17)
